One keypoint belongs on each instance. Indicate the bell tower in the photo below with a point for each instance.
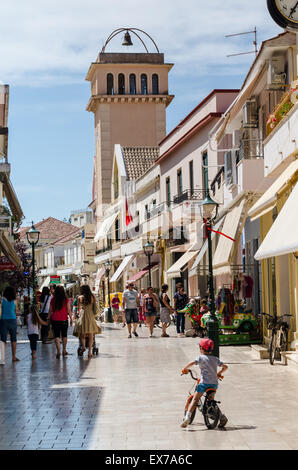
(129, 97)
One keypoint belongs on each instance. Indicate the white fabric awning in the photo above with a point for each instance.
(105, 226)
(175, 269)
(121, 268)
(65, 271)
(45, 283)
(193, 271)
(9, 251)
(267, 202)
(224, 247)
(282, 237)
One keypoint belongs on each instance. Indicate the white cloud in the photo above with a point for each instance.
(52, 42)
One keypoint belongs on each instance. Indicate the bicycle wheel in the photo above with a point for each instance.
(284, 339)
(211, 413)
(186, 408)
(272, 347)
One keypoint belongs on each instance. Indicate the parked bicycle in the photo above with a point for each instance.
(206, 405)
(279, 334)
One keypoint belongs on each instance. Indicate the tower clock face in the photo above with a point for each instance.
(284, 13)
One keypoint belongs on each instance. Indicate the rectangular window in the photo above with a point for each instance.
(168, 189)
(117, 230)
(191, 182)
(179, 181)
(205, 171)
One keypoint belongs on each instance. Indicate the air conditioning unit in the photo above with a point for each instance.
(276, 78)
(250, 114)
(230, 169)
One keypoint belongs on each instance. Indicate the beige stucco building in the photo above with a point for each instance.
(129, 96)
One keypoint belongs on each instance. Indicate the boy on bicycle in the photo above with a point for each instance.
(209, 375)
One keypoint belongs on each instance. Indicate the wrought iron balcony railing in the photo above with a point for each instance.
(157, 210)
(190, 195)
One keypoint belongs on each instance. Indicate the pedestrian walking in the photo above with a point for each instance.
(8, 322)
(34, 323)
(142, 318)
(45, 300)
(180, 302)
(130, 304)
(150, 304)
(115, 302)
(86, 324)
(59, 312)
(165, 310)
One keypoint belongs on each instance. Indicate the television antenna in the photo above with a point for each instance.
(255, 42)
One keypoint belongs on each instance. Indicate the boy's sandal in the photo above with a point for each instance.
(90, 355)
(58, 356)
(16, 360)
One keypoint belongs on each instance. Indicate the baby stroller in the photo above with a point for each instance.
(95, 349)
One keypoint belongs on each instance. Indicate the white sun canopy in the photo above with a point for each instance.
(105, 226)
(121, 268)
(175, 269)
(282, 237)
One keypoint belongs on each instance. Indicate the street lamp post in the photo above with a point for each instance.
(33, 239)
(209, 209)
(148, 250)
(108, 269)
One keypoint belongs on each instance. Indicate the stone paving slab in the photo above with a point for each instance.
(132, 397)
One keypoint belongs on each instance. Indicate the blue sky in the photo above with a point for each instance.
(46, 49)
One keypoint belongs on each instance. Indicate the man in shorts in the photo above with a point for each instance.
(130, 304)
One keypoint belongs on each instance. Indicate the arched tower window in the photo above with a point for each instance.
(110, 84)
(121, 84)
(132, 84)
(155, 86)
(144, 84)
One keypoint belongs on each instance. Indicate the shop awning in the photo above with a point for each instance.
(282, 237)
(105, 226)
(224, 249)
(99, 274)
(125, 262)
(45, 283)
(64, 271)
(143, 272)
(69, 286)
(8, 250)
(268, 200)
(175, 269)
(193, 271)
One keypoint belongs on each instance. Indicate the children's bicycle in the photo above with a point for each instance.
(207, 406)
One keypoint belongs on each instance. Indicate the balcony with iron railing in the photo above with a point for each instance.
(190, 195)
(157, 210)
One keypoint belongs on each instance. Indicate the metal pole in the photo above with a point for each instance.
(33, 274)
(149, 265)
(110, 318)
(212, 322)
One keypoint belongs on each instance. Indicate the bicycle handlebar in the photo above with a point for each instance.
(192, 376)
(275, 316)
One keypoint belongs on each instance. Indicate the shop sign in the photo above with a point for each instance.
(54, 279)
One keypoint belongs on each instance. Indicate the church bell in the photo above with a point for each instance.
(127, 40)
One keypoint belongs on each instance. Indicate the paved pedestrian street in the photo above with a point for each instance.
(132, 396)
